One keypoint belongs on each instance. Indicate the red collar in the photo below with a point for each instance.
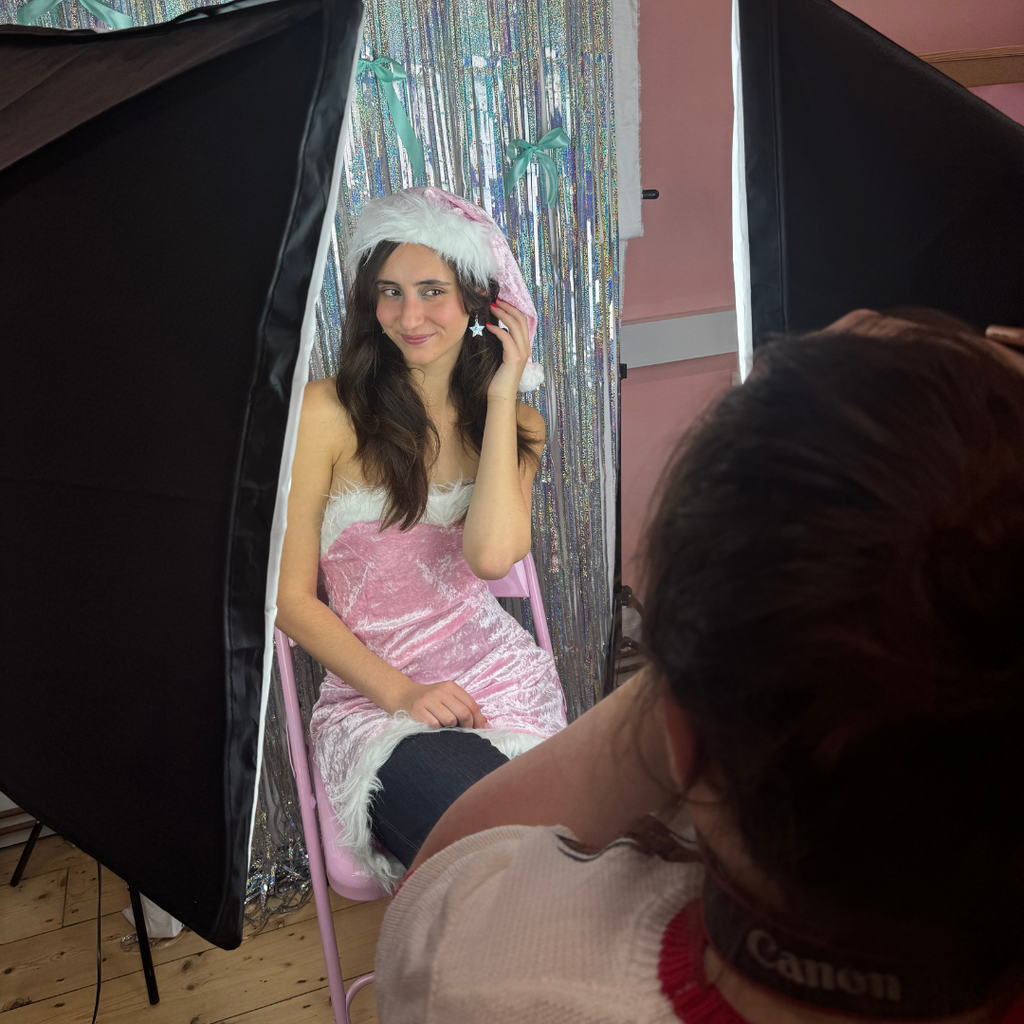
(681, 972)
(693, 998)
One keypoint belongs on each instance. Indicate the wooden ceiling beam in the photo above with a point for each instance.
(1001, 65)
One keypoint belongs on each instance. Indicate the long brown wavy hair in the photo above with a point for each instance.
(396, 442)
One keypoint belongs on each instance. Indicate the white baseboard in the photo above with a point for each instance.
(12, 815)
(683, 337)
(21, 836)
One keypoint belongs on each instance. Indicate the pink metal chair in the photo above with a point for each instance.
(330, 863)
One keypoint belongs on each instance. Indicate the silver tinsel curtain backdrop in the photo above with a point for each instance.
(478, 76)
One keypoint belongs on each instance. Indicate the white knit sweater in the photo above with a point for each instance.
(514, 926)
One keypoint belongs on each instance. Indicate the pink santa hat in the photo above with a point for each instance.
(459, 230)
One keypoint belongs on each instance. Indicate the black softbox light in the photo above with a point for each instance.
(165, 196)
(865, 178)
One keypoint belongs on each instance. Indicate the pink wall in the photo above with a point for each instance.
(683, 262)
(1007, 98)
(658, 404)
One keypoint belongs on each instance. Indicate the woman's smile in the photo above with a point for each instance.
(419, 305)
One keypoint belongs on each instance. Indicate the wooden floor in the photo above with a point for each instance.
(48, 956)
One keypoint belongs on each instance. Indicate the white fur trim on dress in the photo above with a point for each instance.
(411, 216)
(532, 378)
(356, 790)
(352, 503)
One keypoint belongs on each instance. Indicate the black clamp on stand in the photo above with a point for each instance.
(140, 918)
(622, 595)
(620, 646)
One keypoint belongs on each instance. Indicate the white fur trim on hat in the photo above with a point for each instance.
(412, 216)
(532, 378)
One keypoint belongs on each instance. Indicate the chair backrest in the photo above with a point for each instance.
(522, 581)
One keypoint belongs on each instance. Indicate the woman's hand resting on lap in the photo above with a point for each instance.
(441, 706)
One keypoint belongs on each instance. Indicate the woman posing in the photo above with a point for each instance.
(411, 486)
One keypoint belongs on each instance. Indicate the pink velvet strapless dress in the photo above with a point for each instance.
(412, 599)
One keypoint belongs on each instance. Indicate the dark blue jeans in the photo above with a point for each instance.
(422, 778)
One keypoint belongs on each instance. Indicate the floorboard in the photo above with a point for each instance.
(80, 901)
(51, 854)
(311, 1008)
(48, 965)
(37, 905)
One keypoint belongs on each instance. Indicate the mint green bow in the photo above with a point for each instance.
(35, 9)
(522, 152)
(386, 77)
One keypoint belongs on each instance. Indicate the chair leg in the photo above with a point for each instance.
(359, 983)
(321, 897)
(26, 853)
(310, 828)
(144, 951)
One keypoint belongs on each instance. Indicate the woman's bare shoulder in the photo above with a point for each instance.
(325, 419)
(321, 406)
(327, 425)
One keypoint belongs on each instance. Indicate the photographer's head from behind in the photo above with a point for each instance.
(835, 695)
(836, 594)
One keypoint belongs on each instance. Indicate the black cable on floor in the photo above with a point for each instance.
(99, 938)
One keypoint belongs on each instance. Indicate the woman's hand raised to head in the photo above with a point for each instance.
(441, 706)
(515, 345)
(497, 529)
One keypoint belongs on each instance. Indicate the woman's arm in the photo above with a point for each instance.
(596, 777)
(324, 438)
(497, 530)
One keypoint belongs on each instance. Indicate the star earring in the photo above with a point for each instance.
(478, 328)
